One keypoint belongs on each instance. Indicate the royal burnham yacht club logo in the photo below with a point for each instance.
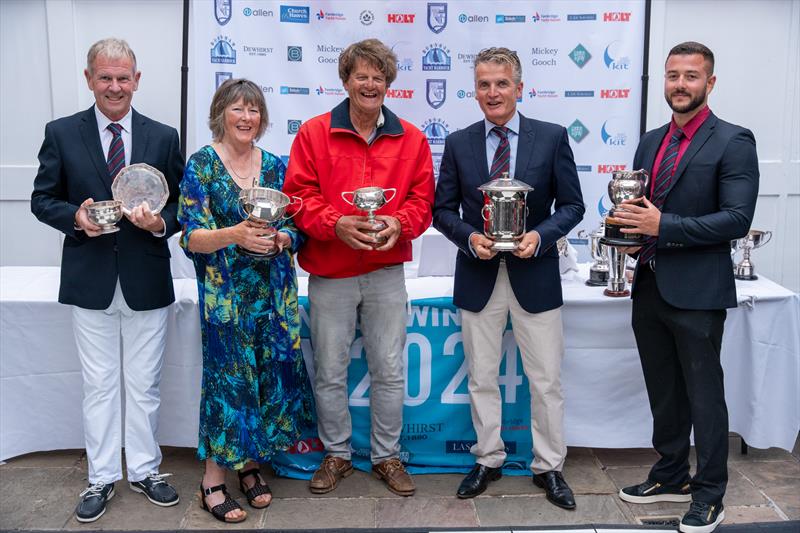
(223, 51)
(436, 57)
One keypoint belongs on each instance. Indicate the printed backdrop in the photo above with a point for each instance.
(581, 67)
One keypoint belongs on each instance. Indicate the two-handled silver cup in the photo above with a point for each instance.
(504, 211)
(598, 272)
(370, 199)
(266, 205)
(745, 270)
(105, 214)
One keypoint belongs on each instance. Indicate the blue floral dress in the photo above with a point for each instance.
(256, 397)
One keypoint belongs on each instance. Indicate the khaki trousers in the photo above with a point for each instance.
(540, 340)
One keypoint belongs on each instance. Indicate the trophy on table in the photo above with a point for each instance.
(598, 272)
(745, 270)
(504, 211)
(370, 199)
(624, 185)
(263, 204)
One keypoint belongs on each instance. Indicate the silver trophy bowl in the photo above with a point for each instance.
(266, 205)
(504, 211)
(370, 199)
(105, 214)
(624, 185)
(745, 270)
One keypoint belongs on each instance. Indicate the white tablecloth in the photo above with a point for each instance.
(606, 402)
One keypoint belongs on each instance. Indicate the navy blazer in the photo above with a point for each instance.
(72, 168)
(544, 161)
(711, 200)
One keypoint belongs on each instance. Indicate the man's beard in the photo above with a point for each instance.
(693, 104)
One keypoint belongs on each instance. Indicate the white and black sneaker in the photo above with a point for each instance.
(702, 518)
(93, 500)
(652, 492)
(156, 490)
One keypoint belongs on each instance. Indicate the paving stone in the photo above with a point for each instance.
(25, 505)
(741, 491)
(584, 475)
(358, 485)
(754, 454)
(347, 513)
(626, 456)
(54, 459)
(786, 498)
(426, 512)
(771, 474)
(746, 514)
(536, 510)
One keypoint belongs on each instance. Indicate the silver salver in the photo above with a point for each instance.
(139, 183)
(598, 272)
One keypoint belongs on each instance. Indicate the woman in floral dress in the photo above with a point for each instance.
(256, 396)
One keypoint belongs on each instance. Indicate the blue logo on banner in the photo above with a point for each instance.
(619, 63)
(436, 57)
(436, 130)
(293, 126)
(294, 90)
(294, 53)
(612, 139)
(601, 209)
(579, 94)
(222, 51)
(221, 77)
(504, 19)
(582, 17)
(436, 92)
(437, 16)
(222, 11)
(299, 14)
(583, 168)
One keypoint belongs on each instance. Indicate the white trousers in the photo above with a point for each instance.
(541, 343)
(103, 357)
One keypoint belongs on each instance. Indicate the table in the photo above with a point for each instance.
(606, 403)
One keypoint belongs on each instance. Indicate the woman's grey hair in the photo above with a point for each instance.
(501, 56)
(229, 93)
(111, 48)
(375, 53)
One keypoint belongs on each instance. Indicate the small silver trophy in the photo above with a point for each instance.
(624, 185)
(105, 214)
(504, 211)
(370, 199)
(598, 272)
(745, 270)
(266, 205)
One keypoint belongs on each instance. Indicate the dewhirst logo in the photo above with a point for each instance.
(436, 130)
(223, 51)
(330, 16)
(613, 59)
(222, 11)
(436, 92)
(400, 18)
(296, 14)
(614, 93)
(437, 16)
(293, 126)
(221, 77)
(403, 94)
(436, 57)
(617, 16)
(543, 56)
(249, 12)
(294, 53)
(577, 131)
(463, 18)
(580, 55)
(508, 19)
(366, 17)
(611, 135)
(257, 51)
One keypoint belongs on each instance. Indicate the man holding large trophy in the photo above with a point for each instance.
(499, 180)
(702, 195)
(366, 180)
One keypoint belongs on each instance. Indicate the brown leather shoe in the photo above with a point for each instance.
(394, 474)
(329, 473)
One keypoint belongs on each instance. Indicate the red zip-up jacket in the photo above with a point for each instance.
(329, 157)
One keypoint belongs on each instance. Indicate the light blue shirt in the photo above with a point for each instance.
(493, 141)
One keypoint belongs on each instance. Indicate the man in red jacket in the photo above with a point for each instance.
(356, 267)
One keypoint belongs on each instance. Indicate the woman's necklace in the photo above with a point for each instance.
(242, 180)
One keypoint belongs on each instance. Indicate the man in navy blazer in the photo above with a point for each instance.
(119, 284)
(525, 282)
(704, 189)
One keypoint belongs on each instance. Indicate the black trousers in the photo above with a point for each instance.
(680, 354)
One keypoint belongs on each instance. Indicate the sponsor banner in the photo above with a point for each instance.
(437, 428)
(581, 67)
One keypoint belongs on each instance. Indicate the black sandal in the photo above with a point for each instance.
(219, 511)
(256, 490)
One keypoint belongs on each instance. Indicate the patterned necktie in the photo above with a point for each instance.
(502, 156)
(116, 152)
(666, 169)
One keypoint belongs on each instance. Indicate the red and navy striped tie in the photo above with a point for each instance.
(116, 152)
(666, 169)
(502, 156)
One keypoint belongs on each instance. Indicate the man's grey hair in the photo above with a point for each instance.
(501, 56)
(110, 48)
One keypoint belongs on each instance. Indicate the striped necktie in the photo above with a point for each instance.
(116, 152)
(502, 156)
(666, 169)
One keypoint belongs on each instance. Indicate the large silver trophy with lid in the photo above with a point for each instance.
(263, 204)
(504, 211)
(745, 270)
(370, 199)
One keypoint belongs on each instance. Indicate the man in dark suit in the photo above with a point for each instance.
(703, 195)
(119, 284)
(525, 282)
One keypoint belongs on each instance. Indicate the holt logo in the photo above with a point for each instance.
(617, 16)
(614, 93)
(608, 169)
(400, 93)
(400, 18)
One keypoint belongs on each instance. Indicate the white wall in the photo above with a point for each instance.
(42, 54)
